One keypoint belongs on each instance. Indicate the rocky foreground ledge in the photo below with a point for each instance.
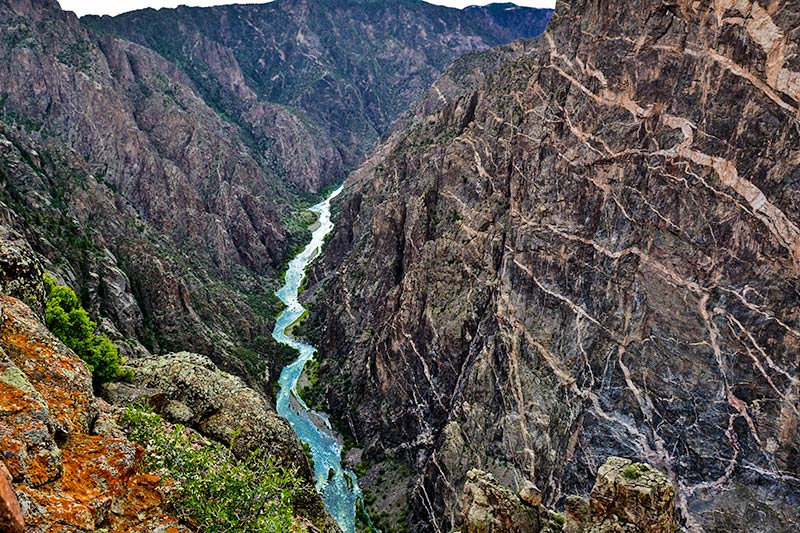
(188, 389)
(627, 498)
(67, 469)
(65, 462)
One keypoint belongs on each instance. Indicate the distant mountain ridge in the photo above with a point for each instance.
(346, 68)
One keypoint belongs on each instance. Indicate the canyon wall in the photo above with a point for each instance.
(165, 184)
(590, 250)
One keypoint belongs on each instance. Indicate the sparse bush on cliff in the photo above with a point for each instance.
(631, 472)
(71, 323)
(212, 489)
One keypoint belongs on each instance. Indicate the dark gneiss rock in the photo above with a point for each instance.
(593, 253)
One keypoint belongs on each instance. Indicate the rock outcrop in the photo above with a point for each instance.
(636, 494)
(633, 495)
(592, 253)
(64, 475)
(626, 498)
(490, 508)
(189, 389)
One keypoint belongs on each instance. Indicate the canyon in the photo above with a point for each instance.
(180, 177)
(563, 274)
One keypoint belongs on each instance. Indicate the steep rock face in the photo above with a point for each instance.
(139, 195)
(124, 269)
(138, 122)
(594, 253)
(332, 74)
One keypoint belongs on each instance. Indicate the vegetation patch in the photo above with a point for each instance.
(77, 55)
(299, 320)
(385, 497)
(70, 322)
(632, 472)
(210, 488)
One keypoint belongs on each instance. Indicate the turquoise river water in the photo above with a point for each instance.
(338, 486)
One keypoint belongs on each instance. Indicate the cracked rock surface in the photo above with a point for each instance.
(627, 498)
(591, 251)
(189, 389)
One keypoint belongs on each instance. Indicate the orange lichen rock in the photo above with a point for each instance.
(66, 477)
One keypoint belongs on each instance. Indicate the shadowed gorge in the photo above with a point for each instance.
(182, 169)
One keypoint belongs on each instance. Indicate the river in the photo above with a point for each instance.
(338, 486)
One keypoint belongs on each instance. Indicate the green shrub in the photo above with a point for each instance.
(631, 472)
(361, 469)
(71, 323)
(556, 521)
(212, 489)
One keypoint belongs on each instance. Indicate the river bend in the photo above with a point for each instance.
(338, 486)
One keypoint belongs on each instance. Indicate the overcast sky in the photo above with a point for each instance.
(104, 7)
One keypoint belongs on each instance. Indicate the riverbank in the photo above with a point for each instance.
(338, 486)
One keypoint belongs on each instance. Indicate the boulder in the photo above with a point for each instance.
(530, 494)
(491, 508)
(635, 494)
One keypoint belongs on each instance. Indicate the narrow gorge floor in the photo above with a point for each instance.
(338, 486)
